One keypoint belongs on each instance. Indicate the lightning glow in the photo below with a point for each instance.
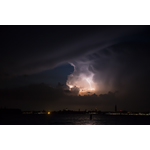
(82, 78)
(89, 81)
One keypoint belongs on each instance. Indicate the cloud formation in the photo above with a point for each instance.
(42, 96)
(117, 57)
(36, 49)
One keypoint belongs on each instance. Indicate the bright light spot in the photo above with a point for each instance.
(82, 78)
(48, 112)
(71, 86)
(84, 83)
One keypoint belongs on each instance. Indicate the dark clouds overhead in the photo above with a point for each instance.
(31, 49)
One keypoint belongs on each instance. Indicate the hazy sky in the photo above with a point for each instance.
(114, 58)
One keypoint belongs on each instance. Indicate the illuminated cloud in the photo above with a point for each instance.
(82, 78)
(105, 58)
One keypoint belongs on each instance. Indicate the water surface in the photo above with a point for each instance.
(73, 119)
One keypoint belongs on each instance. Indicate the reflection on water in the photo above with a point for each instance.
(73, 119)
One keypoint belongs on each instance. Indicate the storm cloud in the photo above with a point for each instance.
(116, 56)
(32, 49)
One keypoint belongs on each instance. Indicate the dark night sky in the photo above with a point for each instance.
(35, 58)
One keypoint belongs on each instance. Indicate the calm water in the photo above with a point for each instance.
(73, 119)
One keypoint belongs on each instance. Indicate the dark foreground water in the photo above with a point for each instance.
(73, 119)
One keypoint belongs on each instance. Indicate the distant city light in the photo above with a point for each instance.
(48, 112)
